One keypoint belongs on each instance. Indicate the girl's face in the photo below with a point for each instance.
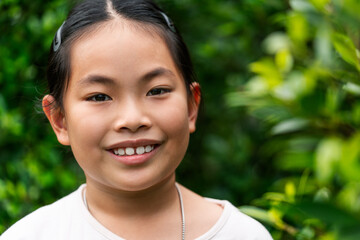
(127, 116)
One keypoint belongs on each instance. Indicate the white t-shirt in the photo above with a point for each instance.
(69, 219)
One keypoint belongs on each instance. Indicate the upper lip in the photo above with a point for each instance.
(134, 143)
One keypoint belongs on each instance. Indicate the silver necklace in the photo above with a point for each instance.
(181, 208)
(182, 212)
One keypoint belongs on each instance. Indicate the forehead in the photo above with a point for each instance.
(120, 47)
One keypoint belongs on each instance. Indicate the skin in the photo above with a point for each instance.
(125, 88)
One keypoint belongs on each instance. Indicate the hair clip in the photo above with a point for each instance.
(169, 22)
(57, 38)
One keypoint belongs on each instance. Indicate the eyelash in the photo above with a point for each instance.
(103, 96)
(158, 91)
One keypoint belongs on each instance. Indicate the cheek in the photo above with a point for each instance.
(84, 128)
(173, 119)
(85, 135)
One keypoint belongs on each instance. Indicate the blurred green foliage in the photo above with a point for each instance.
(305, 93)
(34, 169)
(278, 134)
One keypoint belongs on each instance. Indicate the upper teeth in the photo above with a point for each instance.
(131, 151)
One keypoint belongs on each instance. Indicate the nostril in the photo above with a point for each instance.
(134, 128)
(131, 120)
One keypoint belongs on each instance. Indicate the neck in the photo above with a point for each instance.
(103, 200)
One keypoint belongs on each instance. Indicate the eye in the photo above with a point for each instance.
(99, 98)
(158, 91)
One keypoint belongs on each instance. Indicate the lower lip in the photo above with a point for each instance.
(135, 159)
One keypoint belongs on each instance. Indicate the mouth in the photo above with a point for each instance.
(131, 151)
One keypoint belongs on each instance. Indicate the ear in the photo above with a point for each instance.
(193, 105)
(56, 118)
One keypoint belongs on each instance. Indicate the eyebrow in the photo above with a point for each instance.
(96, 79)
(103, 80)
(160, 71)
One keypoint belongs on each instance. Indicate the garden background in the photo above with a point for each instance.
(279, 132)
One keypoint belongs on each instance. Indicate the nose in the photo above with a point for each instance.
(131, 116)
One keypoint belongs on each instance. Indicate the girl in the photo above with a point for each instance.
(123, 96)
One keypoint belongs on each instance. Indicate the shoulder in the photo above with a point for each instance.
(219, 219)
(233, 224)
(43, 221)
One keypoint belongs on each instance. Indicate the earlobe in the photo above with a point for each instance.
(194, 104)
(56, 118)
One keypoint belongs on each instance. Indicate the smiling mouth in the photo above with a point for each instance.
(130, 151)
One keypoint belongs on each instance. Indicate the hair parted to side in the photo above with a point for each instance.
(89, 14)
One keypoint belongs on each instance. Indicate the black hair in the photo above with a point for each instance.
(90, 13)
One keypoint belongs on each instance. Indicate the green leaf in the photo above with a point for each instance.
(284, 60)
(328, 154)
(301, 5)
(298, 27)
(346, 48)
(323, 47)
(275, 42)
(257, 213)
(290, 125)
(352, 88)
(348, 197)
(320, 4)
(349, 164)
(267, 69)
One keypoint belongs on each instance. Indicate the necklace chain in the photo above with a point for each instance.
(182, 212)
(181, 209)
